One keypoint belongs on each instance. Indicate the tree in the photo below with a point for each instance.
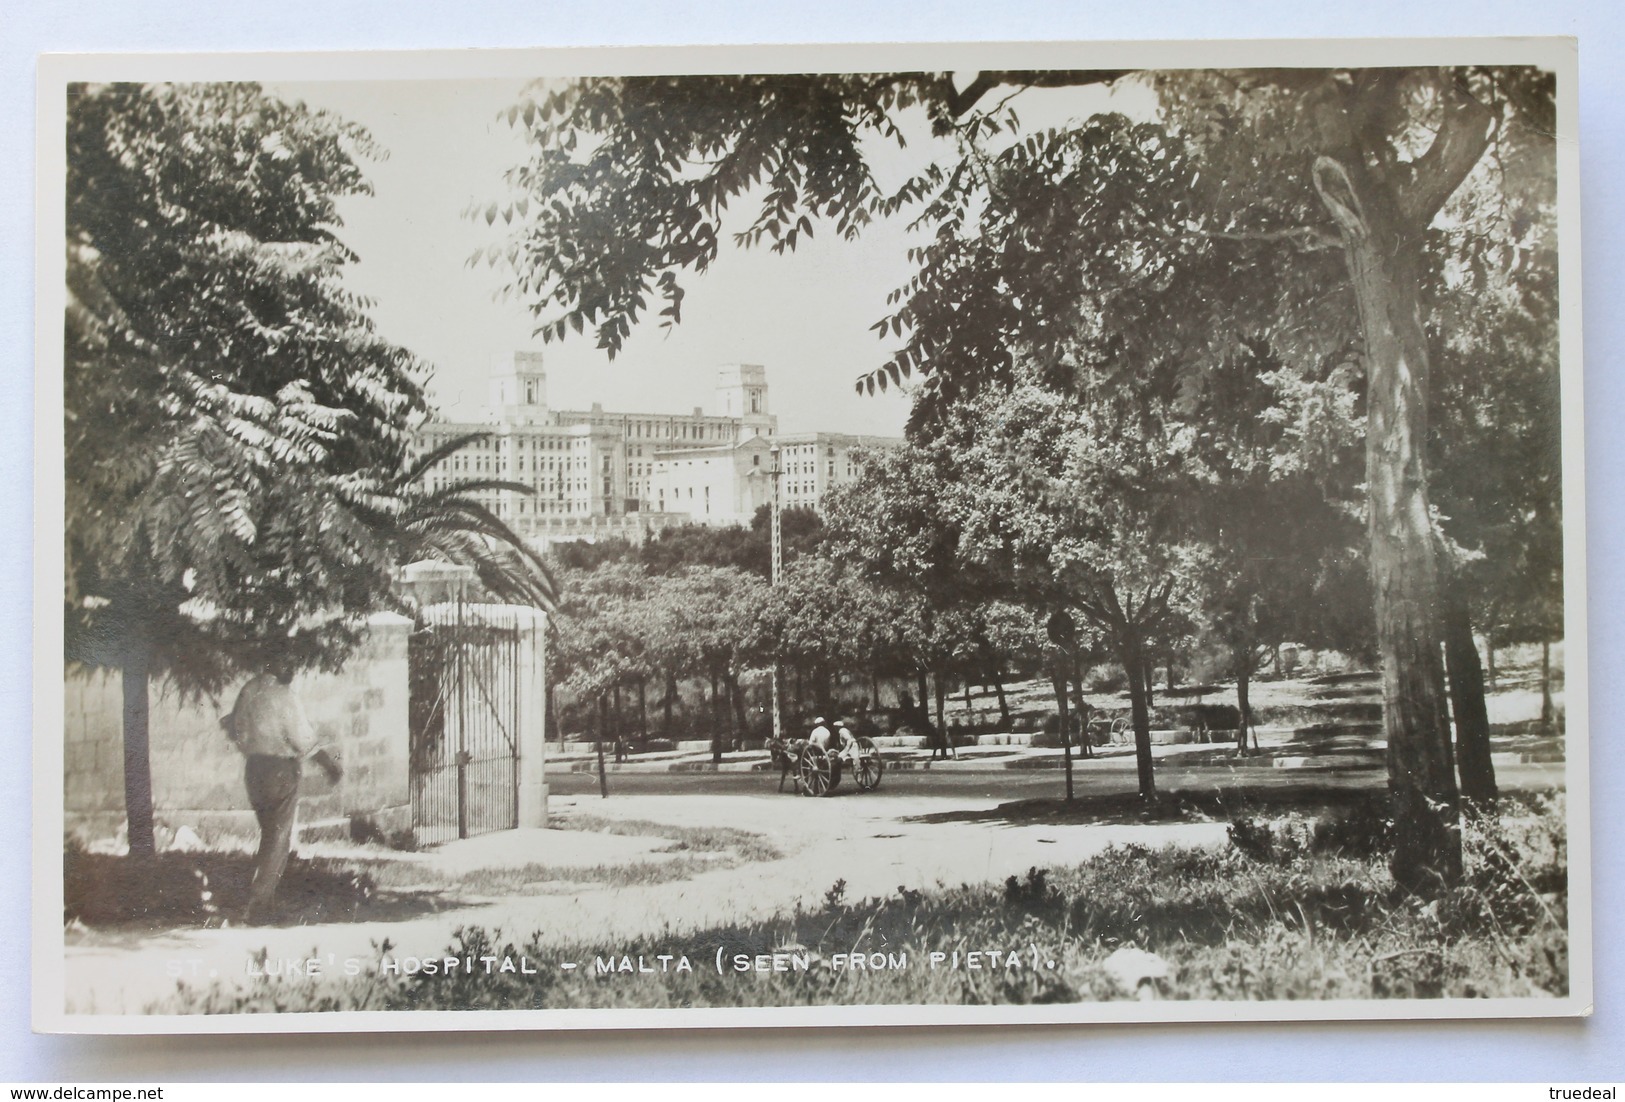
(1384, 150)
(1007, 636)
(1297, 167)
(896, 525)
(1067, 502)
(1381, 203)
(822, 619)
(1078, 495)
(1492, 321)
(703, 620)
(602, 640)
(232, 418)
(1265, 581)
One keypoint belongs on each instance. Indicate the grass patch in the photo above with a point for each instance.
(687, 852)
(537, 877)
(694, 849)
(1293, 910)
(706, 839)
(209, 888)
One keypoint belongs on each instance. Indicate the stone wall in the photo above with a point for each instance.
(360, 714)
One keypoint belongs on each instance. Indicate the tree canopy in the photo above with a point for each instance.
(1288, 206)
(235, 426)
(231, 412)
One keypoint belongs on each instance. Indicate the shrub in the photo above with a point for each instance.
(364, 830)
(1252, 837)
(1032, 895)
(1363, 832)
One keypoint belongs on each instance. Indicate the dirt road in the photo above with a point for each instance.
(875, 845)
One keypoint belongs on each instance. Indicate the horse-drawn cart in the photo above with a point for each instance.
(817, 771)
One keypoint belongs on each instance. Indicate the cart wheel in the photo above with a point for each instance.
(816, 772)
(870, 765)
(1122, 730)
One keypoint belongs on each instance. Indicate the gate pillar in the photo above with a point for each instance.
(531, 745)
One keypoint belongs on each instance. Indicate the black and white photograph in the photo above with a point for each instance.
(811, 536)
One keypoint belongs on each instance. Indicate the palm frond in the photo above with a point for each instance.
(483, 485)
(450, 523)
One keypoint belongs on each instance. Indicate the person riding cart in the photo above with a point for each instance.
(817, 762)
(834, 738)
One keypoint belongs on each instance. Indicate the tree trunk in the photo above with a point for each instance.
(1467, 697)
(1383, 253)
(1148, 678)
(1058, 682)
(603, 776)
(942, 699)
(1245, 659)
(1548, 713)
(643, 707)
(716, 721)
(1004, 703)
(1489, 653)
(136, 676)
(671, 698)
(1243, 708)
(1138, 671)
(924, 689)
(1080, 712)
(736, 697)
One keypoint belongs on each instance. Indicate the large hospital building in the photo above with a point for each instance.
(598, 473)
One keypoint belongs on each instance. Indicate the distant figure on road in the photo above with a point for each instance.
(862, 725)
(919, 718)
(269, 727)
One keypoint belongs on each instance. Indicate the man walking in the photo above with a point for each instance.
(269, 726)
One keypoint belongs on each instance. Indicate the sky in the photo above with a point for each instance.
(805, 315)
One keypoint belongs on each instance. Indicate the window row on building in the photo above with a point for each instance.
(653, 469)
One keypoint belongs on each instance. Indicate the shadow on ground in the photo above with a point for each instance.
(1176, 806)
(174, 891)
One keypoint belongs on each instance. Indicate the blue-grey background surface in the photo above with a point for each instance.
(1556, 1052)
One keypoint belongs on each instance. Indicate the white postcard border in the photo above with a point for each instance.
(56, 70)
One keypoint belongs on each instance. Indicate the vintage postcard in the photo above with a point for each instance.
(783, 536)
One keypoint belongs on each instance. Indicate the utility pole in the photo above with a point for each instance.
(778, 571)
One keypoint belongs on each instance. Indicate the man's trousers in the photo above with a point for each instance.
(273, 792)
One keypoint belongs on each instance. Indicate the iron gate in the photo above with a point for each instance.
(464, 719)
